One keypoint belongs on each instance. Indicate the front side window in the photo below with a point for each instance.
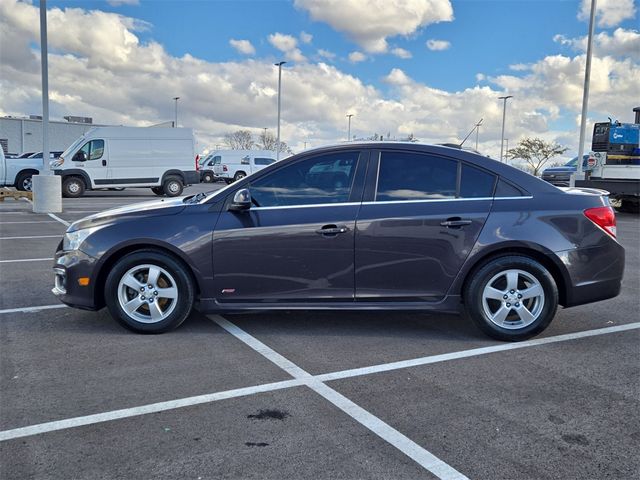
(318, 180)
(244, 161)
(415, 176)
(217, 159)
(93, 150)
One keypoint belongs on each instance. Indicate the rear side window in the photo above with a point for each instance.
(505, 189)
(476, 183)
(263, 161)
(414, 176)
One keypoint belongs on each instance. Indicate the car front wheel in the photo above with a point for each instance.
(149, 292)
(511, 298)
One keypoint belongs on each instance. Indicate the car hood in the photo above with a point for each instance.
(154, 208)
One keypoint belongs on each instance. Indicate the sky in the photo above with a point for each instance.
(431, 68)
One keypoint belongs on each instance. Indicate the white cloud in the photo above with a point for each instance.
(355, 57)
(622, 43)
(438, 45)
(306, 37)
(401, 53)
(370, 22)
(326, 54)
(288, 45)
(108, 73)
(243, 46)
(609, 13)
(480, 77)
(117, 3)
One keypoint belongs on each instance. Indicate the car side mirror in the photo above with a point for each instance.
(241, 201)
(80, 156)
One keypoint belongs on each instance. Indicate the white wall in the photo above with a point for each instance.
(25, 135)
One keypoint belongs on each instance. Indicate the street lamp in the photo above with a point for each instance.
(279, 65)
(46, 188)
(349, 128)
(175, 122)
(585, 98)
(504, 114)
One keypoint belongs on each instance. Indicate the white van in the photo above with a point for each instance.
(118, 157)
(232, 165)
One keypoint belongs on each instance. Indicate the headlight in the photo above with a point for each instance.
(73, 240)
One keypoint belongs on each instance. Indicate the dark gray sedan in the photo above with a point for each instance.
(357, 226)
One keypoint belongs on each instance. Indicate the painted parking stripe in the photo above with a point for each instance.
(34, 309)
(26, 238)
(27, 260)
(189, 401)
(58, 219)
(424, 458)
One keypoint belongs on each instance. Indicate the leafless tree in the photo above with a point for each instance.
(239, 140)
(535, 152)
(268, 141)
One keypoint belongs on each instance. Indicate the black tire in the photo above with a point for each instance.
(545, 306)
(157, 190)
(239, 176)
(73, 187)
(177, 313)
(24, 182)
(207, 177)
(172, 186)
(629, 206)
(228, 181)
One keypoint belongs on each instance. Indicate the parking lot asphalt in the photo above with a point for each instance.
(305, 394)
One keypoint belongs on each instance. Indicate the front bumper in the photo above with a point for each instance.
(68, 268)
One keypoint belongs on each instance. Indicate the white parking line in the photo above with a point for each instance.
(424, 458)
(32, 309)
(212, 397)
(58, 219)
(26, 260)
(25, 238)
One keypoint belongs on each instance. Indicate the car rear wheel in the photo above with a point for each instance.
(73, 187)
(172, 187)
(239, 176)
(511, 298)
(149, 292)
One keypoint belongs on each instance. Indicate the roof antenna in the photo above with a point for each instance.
(472, 130)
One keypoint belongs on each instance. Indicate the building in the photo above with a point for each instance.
(24, 134)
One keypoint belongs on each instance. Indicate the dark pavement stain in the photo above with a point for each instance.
(556, 420)
(259, 444)
(269, 415)
(575, 439)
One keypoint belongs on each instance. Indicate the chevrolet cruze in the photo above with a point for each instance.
(369, 226)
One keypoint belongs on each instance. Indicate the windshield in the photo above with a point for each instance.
(73, 146)
(572, 162)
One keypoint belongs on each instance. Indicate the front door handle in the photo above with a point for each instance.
(104, 163)
(455, 222)
(332, 229)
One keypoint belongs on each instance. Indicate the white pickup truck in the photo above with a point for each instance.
(17, 172)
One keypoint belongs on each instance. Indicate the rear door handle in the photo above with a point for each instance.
(455, 222)
(332, 229)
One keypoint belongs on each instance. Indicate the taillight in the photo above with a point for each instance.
(197, 163)
(224, 168)
(604, 217)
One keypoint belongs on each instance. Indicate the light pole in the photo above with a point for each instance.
(349, 128)
(506, 149)
(585, 98)
(279, 65)
(175, 122)
(478, 132)
(504, 114)
(47, 195)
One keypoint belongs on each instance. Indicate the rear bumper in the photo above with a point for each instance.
(594, 273)
(68, 268)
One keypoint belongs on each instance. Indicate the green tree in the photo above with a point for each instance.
(535, 152)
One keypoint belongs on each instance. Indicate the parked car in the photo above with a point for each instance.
(207, 174)
(26, 155)
(119, 157)
(17, 172)
(52, 155)
(561, 176)
(237, 164)
(359, 226)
